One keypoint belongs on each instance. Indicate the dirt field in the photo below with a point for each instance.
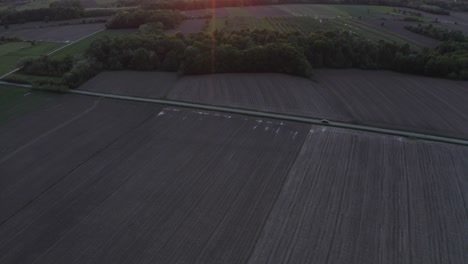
(188, 26)
(360, 189)
(452, 26)
(102, 181)
(55, 34)
(89, 3)
(217, 12)
(267, 92)
(377, 98)
(149, 84)
(398, 27)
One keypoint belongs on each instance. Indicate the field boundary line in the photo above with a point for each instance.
(73, 42)
(10, 72)
(301, 119)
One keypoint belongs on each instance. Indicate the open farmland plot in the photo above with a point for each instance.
(304, 24)
(377, 32)
(15, 102)
(67, 132)
(80, 47)
(361, 198)
(12, 53)
(143, 84)
(55, 34)
(89, 3)
(237, 11)
(267, 92)
(170, 190)
(119, 182)
(364, 11)
(245, 22)
(266, 11)
(377, 98)
(398, 27)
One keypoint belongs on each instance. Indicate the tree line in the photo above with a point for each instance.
(135, 18)
(60, 10)
(438, 33)
(257, 51)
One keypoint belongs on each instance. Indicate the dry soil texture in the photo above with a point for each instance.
(102, 181)
(55, 34)
(267, 92)
(377, 98)
(398, 27)
(143, 84)
(115, 183)
(362, 198)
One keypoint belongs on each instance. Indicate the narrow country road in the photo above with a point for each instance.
(302, 119)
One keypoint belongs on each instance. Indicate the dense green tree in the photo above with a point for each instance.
(144, 60)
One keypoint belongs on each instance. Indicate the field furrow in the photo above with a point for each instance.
(361, 198)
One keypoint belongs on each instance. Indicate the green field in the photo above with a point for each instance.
(16, 101)
(363, 11)
(34, 4)
(11, 60)
(376, 34)
(81, 46)
(237, 11)
(252, 23)
(216, 24)
(305, 24)
(12, 53)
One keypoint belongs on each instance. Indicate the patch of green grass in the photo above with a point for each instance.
(364, 11)
(15, 101)
(12, 46)
(35, 4)
(252, 23)
(237, 12)
(81, 46)
(12, 53)
(377, 34)
(216, 24)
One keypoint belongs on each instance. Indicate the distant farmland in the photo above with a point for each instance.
(55, 34)
(13, 52)
(366, 21)
(378, 98)
(122, 182)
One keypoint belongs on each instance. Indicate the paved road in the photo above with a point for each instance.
(281, 116)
